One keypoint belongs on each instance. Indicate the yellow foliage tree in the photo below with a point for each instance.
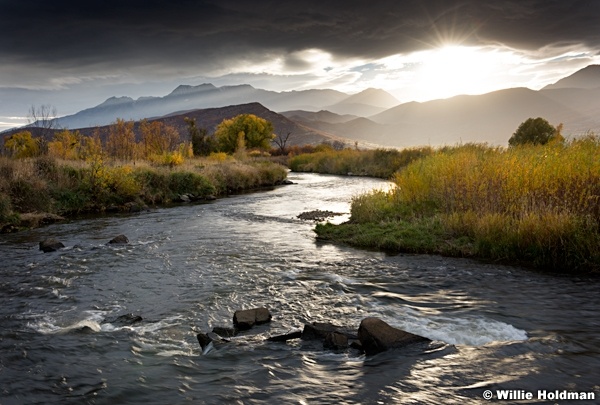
(121, 140)
(66, 145)
(22, 145)
(244, 129)
(158, 138)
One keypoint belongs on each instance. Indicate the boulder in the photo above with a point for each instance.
(184, 198)
(335, 341)
(50, 245)
(119, 240)
(134, 206)
(205, 339)
(320, 330)
(246, 319)
(377, 336)
(224, 331)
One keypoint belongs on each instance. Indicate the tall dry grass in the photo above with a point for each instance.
(532, 204)
(381, 163)
(68, 187)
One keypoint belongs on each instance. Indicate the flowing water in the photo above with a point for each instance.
(188, 268)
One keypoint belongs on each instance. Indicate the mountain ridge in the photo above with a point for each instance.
(490, 117)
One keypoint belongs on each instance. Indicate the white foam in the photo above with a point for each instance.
(49, 325)
(471, 330)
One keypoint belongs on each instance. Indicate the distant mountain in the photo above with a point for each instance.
(319, 116)
(367, 102)
(372, 116)
(586, 78)
(185, 98)
(491, 117)
(345, 126)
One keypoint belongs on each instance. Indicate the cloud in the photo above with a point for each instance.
(75, 54)
(151, 38)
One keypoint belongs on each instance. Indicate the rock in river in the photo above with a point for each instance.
(377, 336)
(50, 245)
(246, 318)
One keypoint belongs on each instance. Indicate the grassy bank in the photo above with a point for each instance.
(537, 205)
(68, 187)
(381, 163)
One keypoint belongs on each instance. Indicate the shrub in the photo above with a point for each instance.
(187, 182)
(535, 131)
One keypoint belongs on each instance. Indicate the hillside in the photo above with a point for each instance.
(491, 118)
(586, 78)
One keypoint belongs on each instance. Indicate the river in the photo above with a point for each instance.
(188, 268)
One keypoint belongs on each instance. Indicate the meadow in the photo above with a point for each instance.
(69, 187)
(537, 205)
(381, 163)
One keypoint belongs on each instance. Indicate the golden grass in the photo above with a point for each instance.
(530, 204)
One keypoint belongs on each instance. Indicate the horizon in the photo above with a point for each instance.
(416, 51)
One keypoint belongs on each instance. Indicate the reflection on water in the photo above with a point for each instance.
(189, 268)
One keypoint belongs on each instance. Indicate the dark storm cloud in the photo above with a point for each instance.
(208, 34)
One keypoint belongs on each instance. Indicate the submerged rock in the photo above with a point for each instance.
(335, 341)
(284, 338)
(119, 240)
(377, 336)
(224, 331)
(246, 319)
(124, 320)
(50, 245)
(318, 215)
(209, 341)
(320, 330)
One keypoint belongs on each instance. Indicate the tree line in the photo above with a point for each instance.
(155, 140)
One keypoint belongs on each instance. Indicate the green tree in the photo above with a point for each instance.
(536, 131)
(202, 143)
(22, 145)
(244, 129)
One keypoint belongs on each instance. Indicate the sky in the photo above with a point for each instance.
(73, 55)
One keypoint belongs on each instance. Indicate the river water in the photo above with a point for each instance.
(188, 268)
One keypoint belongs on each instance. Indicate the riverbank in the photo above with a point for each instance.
(533, 205)
(35, 191)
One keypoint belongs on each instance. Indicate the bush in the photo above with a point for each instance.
(187, 182)
(535, 131)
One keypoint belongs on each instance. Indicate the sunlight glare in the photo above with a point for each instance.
(455, 70)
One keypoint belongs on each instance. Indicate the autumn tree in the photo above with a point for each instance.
(534, 131)
(244, 129)
(91, 147)
(121, 140)
(22, 145)
(65, 145)
(158, 138)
